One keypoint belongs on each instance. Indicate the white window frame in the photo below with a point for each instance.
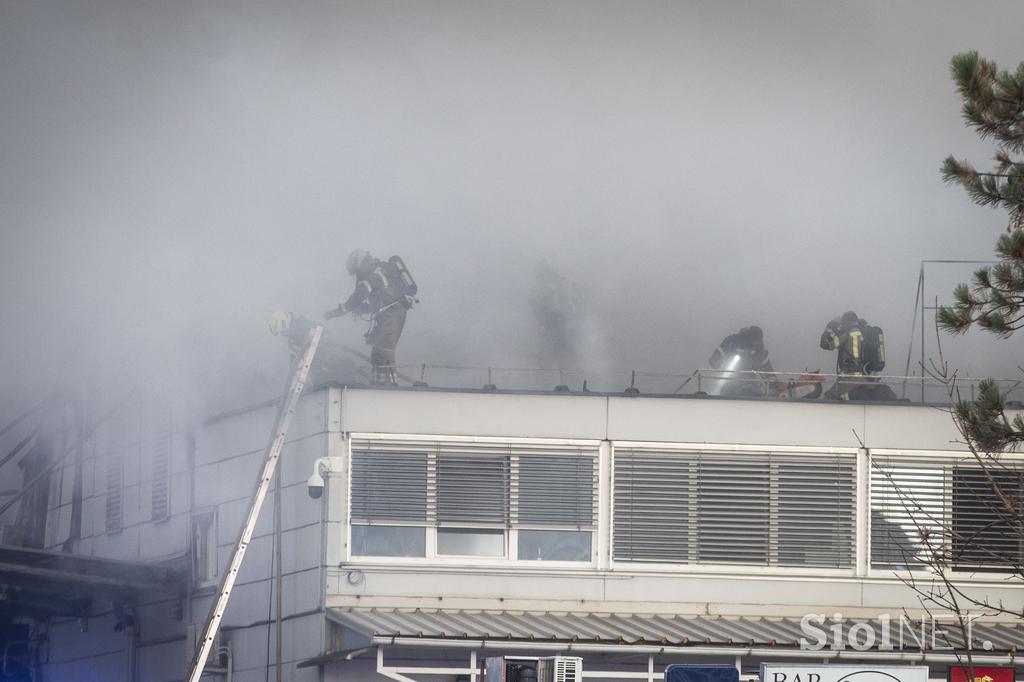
(602, 537)
(213, 561)
(934, 458)
(511, 535)
(751, 570)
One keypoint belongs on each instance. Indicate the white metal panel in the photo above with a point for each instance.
(746, 590)
(468, 584)
(246, 430)
(473, 414)
(690, 420)
(298, 456)
(162, 540)
(903, 426)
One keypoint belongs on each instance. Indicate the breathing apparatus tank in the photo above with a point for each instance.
(406, 284)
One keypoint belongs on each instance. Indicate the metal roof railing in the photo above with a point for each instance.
(803, 384)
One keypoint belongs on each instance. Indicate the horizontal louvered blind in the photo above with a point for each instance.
(115, 492)
(465, 483)
(987, 518)
(816, 508)
(728, 508)
(472, 488)
(908, 511)
(653, 496)
(950, 510)
(389, 486)
(732, 511)
(556, 490)
(161, 462)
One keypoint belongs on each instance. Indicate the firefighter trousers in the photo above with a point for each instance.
(383, 338)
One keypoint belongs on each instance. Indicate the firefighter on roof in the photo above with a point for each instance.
(385, 291)
(861, 351)
(743, 351)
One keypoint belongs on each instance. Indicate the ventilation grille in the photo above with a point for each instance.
(560, 669)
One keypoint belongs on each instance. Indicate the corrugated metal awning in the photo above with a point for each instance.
(427, 627)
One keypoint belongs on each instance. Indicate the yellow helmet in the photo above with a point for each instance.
(279, 322)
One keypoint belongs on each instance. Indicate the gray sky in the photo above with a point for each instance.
(172, 172)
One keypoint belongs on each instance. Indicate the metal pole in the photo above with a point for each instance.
(273, 453)
(277, 573)
(922, 332)
(918, 300)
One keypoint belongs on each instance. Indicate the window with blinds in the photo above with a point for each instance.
(114, 492)
(766, 509)
(389, 486)
(470, 495)
(987, 520)
(946, 510)
(909, 507)
(472, 488)
(556, 490)
(160, 483)
(204, 549)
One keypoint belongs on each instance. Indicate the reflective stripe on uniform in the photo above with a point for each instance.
(856, 340)
(379, 272)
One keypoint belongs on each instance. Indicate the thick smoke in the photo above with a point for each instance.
(173, 172)
(568, 333)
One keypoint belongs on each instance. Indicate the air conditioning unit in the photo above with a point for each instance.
(560, 669)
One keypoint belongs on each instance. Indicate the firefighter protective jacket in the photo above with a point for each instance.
(849, 341)
(374, 288)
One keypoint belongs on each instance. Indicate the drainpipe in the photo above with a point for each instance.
(131, 651)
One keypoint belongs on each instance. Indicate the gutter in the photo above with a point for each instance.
(755, 652)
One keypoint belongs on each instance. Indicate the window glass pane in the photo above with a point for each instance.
(470, 542)
(389, 541)
(554, 545)
(204, 549)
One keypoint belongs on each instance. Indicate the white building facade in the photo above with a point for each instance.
(632, 532)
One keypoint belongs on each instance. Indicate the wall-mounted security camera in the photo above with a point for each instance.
(315, 484)
(322, 466)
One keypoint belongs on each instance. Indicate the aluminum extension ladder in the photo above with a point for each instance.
(284, 417)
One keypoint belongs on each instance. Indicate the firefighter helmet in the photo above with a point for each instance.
(279, 322)
(355, 260)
